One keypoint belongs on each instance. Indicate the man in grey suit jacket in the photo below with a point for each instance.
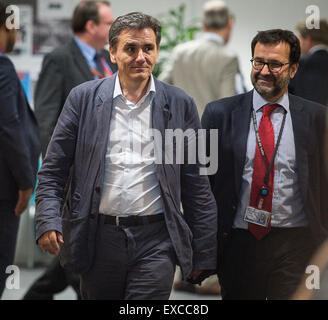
(19, 148)
(72, 64)
(121, 226)
(204, 68)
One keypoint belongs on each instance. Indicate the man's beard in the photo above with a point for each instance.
(278, 85)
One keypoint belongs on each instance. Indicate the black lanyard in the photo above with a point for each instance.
(267, 173)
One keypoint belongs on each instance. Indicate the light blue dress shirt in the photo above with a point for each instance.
(88, 53)
(287, 206)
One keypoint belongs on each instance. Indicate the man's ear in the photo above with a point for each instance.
(90, 26)
(293, 70)
(112, 53)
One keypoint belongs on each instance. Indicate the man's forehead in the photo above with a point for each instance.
(132, 33)
(281, 49)
(136, 37)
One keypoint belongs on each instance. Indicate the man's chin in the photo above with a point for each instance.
(264, 91)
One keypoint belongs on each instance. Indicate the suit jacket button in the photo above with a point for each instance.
(225, 234)
(234, 208)
(97, 189)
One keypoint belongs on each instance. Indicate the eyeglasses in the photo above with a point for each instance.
(273, 66)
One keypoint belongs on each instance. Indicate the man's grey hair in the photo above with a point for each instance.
(216, 14)
(134, 21)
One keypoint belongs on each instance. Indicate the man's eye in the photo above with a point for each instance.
(275, 65)
(258, 63)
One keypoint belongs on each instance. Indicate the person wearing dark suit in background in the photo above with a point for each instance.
(83, 59)
(80, 60)
(310, 81)
(121, 228)
(271, 188)
(19, 148)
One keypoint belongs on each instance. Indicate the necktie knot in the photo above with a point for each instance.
(268, 109)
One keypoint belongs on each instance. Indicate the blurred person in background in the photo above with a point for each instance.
(207, 71)
(83, 59)
(310, 81)
(204, 67)
(19, 147)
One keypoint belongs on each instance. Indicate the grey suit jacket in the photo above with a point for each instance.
(204, 69)
(62, 70)
(78, 146)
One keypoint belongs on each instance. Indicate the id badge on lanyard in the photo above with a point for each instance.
(257, 215)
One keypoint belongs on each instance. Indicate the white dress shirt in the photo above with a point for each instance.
(130, 184)
(287, 206)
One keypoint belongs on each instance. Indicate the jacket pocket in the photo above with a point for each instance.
(74, 252)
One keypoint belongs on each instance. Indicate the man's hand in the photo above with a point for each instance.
(194, 276)
(49, 241)
(23, 199)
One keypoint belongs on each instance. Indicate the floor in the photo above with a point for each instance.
(27, 277)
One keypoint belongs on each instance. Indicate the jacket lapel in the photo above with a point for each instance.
(80, 61)
(301, 130)
(241, 117)
(161, 114)
(104, 108)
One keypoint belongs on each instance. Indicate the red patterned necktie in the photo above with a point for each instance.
(266, 134)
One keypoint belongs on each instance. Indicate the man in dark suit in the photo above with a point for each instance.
(19, 149)
(270, 187)
(74, 63)
(310, 81)
(121, 227)
(81, 60)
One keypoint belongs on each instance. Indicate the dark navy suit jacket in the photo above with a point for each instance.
(19, 140)
(77, 149)
(311, 79)
(232, 117)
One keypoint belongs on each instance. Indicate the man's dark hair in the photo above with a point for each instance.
(3, 14)
(85, 11)
(135, 21)
(276, 36)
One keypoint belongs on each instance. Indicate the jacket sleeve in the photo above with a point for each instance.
(227, 87)
(49, 97)
(12, 136)
(168, 68)
(55, 169)
(198, 202)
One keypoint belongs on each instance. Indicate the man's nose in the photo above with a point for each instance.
(140, 56)
(265, 70)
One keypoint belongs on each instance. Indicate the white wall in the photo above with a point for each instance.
(251, 16)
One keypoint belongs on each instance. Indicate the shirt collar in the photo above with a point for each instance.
(88, 52)
(213, 36)
(118, 90)
(259, 101)
(317, 48)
